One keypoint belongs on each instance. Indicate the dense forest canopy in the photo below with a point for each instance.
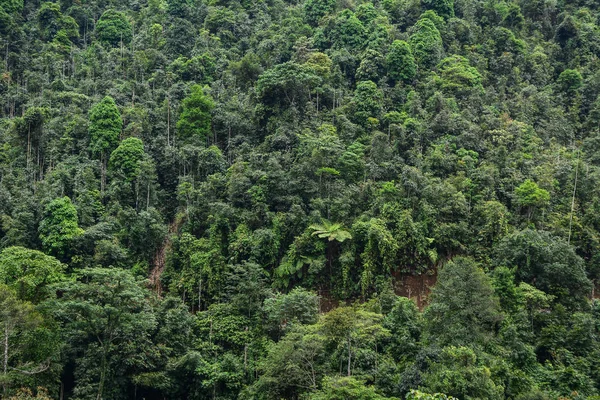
(250, 199)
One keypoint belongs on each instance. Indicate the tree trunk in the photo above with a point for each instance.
(573, 202)
(349, 358)
(246, 357)
(102, 376)
(168, 121)
(5, 364)
(102, 173)
(200, 296)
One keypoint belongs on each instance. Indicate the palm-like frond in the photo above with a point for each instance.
(331, 231)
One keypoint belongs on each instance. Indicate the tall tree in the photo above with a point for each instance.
(107, 317)
(426, 43)
(27, 345)
(195, 118)
(105, 129)
(400, 62)
(464, 309)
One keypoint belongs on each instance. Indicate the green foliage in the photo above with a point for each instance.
(114, 28)
(29, 272)
(125, 160)
(27, 394)
(463, 308)
(11, 6)
(546, 262)
(107, 316)
(293, 364)
(458, 374)
(340, 388)
(195, 118)
(290, 82)
(329, 199)
(529, 194)
(367, 102)
(400, 62)
(49, 19)
(569, 81)
(28, 345)
(458, 77)
(331, 231)
(443, 8)
(348, 31)
(405, 325)
(298, 306)
(426, 43)
(314, 10)
(59, 227)
(105, 127)
(418, 395)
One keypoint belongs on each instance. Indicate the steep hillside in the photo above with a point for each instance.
(186, 186)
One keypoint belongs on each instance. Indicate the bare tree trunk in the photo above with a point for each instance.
(246, 357)
(5, 366)
(200, 296)
(349, 358)
(168, 121)
(28, 144)
(102, 376)
(573, 201)
(102, 173)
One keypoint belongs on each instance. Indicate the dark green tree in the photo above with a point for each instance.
(107, 316)
(400, 62)
(464, 309)
(443, 8)
(29, 347)
(314, 10)
(548, 263)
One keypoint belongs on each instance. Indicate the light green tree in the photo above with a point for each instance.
(330, 230)
(59, 226)
(347, 387)
(458, 374)
(105, 128)
(195, 118)
(530, 196)
(113, 28)
(29, 272)
(426, 43)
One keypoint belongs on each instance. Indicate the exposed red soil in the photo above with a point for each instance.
(326, 302)
(159, 259)
(415, 287)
